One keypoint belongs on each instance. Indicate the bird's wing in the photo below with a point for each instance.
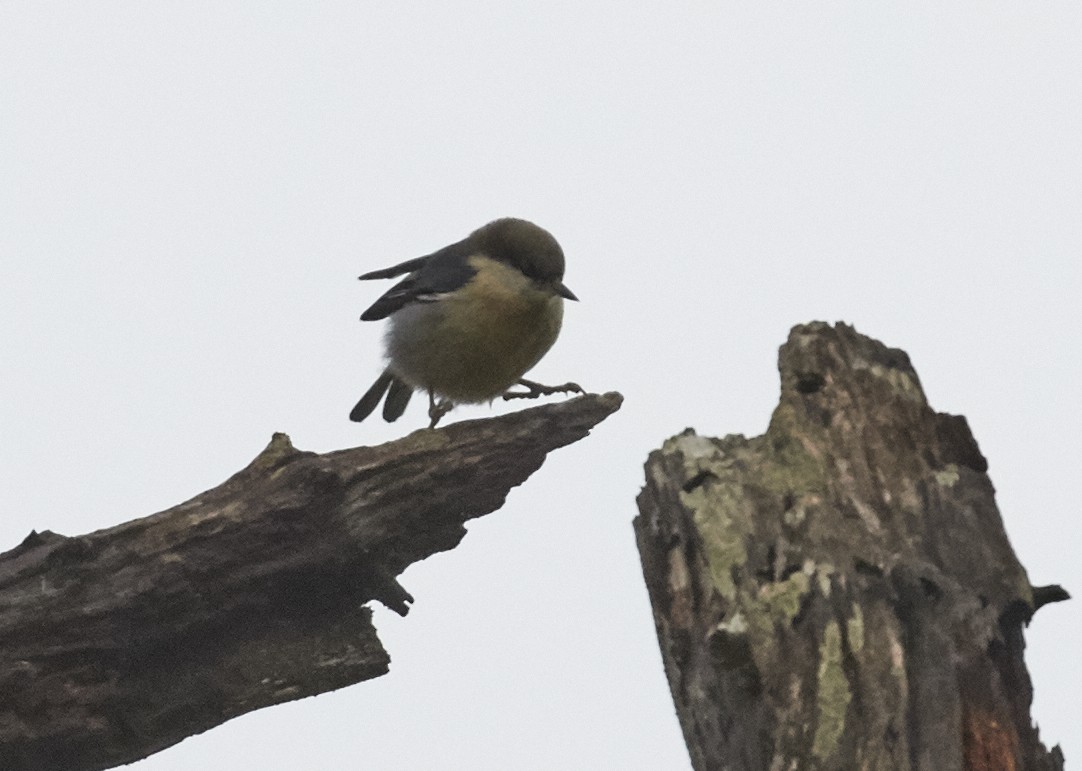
(397, 270)
(432, 277)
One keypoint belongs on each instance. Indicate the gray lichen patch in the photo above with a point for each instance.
(691, 446)
(948, 476)
(900, 381)
(736, 624)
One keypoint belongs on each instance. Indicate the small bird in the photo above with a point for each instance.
(469, 320)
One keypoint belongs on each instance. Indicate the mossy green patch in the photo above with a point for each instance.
(791, 469)
(833, 696)
(780, 601)
(717, 504)
(854, 629)
(714, 508)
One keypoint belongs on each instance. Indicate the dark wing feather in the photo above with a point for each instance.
(403, 267)
(400, 294)
(434, 275)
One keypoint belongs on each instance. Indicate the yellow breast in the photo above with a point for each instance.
(476, 343)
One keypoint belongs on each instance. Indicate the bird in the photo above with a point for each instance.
(469, 320)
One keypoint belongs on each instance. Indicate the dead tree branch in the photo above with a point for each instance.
(119, 643)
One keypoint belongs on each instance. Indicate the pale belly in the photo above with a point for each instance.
(472, 353)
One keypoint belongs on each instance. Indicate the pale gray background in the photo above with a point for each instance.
(189, 189)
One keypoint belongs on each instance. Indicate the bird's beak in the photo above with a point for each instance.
(564, 292)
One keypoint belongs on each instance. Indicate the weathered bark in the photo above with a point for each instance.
(839, 593)
(119, 643)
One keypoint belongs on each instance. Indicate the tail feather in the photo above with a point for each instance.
(372, 397)
(397, 399)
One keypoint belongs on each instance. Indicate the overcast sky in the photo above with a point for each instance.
(188, 191)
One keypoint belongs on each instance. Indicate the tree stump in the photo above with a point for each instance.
(839, 593)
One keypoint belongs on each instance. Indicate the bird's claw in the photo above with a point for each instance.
(537, 389)
(437, 410)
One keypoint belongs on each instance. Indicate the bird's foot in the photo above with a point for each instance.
(536, 389)
(437, 410)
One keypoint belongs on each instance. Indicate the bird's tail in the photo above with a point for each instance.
(398, 396)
